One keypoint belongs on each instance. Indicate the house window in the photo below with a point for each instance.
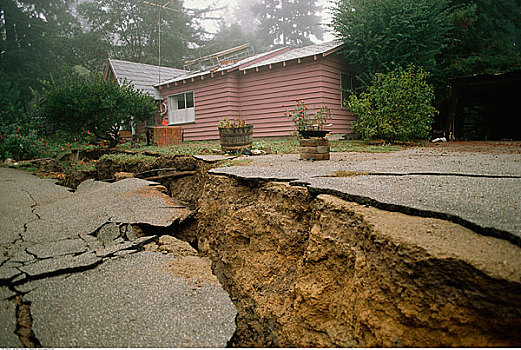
(349, 84)
(181, 108)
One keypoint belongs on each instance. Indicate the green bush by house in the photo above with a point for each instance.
(397, 106)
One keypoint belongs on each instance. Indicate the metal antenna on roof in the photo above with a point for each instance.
(164, 7)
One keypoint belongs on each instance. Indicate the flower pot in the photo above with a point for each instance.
(234, 139)
(309, 133)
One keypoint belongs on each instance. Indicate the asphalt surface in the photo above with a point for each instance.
(479, 190)
(76, 258)
(131, 302)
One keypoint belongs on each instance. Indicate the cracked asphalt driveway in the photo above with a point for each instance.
(76, 260)
(480, 190)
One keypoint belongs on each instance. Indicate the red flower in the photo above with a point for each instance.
(20, 128)
(63, 148)
(75, 139)
(68, 144)
(88, 132)
(290, 114)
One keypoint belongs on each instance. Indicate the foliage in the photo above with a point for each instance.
(381, 35)
(304, 119)
(230, 36)
(129, 30)
(80, 106)
(287, 22)
(398, 106)
(20, 145)
(34, 42)
(485, 37)
(18, 138)
(232, 123)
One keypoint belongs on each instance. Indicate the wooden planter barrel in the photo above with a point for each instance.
(314, 149)
(234, 139)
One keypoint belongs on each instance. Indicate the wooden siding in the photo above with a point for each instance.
(258, 95)
(264, 91)
(332, 67)
(214, 98)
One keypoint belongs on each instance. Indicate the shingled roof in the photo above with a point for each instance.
(301, 52)
(142, 76)
(267, 58)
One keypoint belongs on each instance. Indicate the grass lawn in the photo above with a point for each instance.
(279, 145)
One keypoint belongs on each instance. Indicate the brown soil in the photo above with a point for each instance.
(186, 264)
(322, 272)
(106, 168)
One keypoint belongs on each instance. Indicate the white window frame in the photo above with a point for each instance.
(178, 115)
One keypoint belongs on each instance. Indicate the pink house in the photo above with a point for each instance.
(257, 87)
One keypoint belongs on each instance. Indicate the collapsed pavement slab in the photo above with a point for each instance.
(134, 301)
(480, 191)
(76, 257)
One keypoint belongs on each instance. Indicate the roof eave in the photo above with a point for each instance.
(334, 49)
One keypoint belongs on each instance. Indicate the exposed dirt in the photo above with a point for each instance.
(24, 323)
(106, 168)
(311, 271)
(187, 264)
(315, 272)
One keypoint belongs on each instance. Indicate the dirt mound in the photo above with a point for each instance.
(322, 272)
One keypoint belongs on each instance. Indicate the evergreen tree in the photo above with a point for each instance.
(381, 35)
(129, 29)
(288, 22)
(230, 36)
(485, 38)
(34, 42)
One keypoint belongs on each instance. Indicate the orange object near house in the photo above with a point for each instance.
(164, 122)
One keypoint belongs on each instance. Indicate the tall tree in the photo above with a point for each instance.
(34, 41)
(130, 29)
(243, 15)
(288, 22)
(485, 38)
(230, 36)
(381, 35)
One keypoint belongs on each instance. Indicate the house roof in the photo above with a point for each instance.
(267, 58)
(307, 51)
(142, 76)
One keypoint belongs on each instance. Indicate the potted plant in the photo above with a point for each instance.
(308, 123)
(235, 134)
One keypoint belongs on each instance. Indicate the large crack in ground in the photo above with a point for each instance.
(115, 222)
(308, 269)
(306, 266)
(341, 173)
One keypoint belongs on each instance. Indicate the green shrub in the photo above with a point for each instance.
(20, 144)
(397, 106)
